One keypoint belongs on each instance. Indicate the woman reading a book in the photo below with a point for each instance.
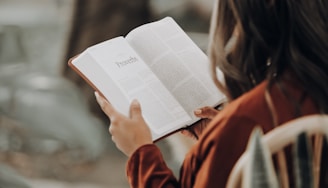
(275, 70)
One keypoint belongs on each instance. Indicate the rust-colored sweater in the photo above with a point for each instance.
(210, 160)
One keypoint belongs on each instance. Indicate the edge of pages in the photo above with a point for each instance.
(71, 65)
(96, 89)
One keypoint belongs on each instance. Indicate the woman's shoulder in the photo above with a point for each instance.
(245, 112)
(252, 109)
(250, 105)
(231, 128)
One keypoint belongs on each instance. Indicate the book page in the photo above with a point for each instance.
(176, 60)
(95, 75)
(135, 80)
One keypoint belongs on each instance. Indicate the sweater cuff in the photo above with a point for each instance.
(138, 156)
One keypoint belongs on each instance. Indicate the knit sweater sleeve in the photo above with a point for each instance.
(146, 168)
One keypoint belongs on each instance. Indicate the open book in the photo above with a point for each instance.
(158, 64)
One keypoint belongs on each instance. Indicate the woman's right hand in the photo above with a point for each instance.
(207, 113)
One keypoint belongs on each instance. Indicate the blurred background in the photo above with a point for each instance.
(52, 131)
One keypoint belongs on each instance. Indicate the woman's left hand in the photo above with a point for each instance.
(128, 133)
(207, 113)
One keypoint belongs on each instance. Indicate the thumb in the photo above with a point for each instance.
(135, 109)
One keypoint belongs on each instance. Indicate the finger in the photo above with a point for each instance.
(110, 130)
(189, 134)
(206, 112)
(135, 109)
(113, 139)
(210, 112)
(105, 105)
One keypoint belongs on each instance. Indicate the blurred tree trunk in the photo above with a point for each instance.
(98, 20)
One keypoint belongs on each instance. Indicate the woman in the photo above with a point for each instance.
(275, 70)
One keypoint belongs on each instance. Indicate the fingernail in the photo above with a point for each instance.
(198, 111)
(98, 98)
(97, 95)
(135, 102)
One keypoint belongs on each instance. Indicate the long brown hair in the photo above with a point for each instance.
(272, 36)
